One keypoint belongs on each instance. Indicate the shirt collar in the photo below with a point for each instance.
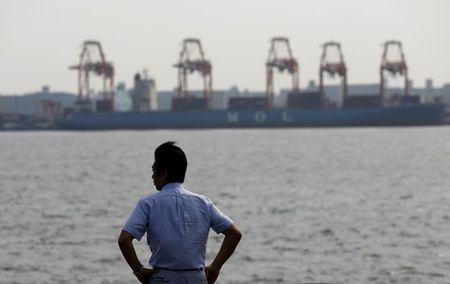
(172, 186)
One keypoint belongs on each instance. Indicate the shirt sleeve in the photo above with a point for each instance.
(219, 221)
(136, 224)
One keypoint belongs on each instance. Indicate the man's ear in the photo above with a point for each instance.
(163, 174)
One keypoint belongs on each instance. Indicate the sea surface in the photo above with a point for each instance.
(340, 205)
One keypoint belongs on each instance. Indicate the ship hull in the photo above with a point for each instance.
(408, 115)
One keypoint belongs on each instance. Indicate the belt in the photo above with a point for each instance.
(178, 270)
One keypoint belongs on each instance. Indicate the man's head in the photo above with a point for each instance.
(170, 165)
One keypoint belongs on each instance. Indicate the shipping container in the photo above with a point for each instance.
(305, 100)
(104, 105)
(408, 100)
(189, 103)
(250, 103)
(362, 101)
(83, 106)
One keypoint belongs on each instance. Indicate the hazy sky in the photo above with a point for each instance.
(39, 39)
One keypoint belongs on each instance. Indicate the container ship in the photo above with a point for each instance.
(301, 109)
(407, 115)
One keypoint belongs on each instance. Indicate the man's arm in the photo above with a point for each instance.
(126, 246)
(229, 244)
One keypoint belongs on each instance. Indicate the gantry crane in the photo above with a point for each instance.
(333, 66)
(280, 62)
(192, 58)
(393, 67)
(92, 60)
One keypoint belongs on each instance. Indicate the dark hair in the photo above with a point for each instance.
(172, 159)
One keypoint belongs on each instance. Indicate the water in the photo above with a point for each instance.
(358, 205)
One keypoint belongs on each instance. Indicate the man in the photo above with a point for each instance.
(177, 223)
